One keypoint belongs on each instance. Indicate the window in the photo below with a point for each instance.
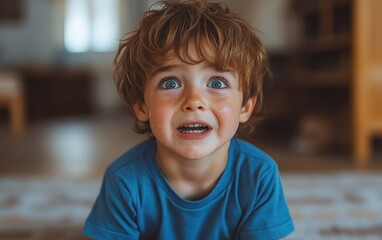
(91, 25)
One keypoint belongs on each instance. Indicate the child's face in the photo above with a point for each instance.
(193, 110)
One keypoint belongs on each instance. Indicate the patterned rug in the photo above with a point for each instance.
(335, 206)
(324, 206)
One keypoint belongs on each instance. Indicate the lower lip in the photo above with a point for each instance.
(194, 136)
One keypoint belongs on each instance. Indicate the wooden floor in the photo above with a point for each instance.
(74, 152)
(76, 147)
(81, 147)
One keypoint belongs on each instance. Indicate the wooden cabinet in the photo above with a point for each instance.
(324, 52)
(337, 67)
(367, 78)
(53, 91)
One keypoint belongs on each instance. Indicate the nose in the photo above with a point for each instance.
(193, 101)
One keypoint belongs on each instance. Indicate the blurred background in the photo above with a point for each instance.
(62, 122)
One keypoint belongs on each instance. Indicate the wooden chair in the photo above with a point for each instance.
(367, 82)
(12, 98)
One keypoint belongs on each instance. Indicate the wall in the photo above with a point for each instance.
(38, 39)
(31, 39)
(276, 26)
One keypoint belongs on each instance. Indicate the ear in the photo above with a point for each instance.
(140, 111)
(247, 109)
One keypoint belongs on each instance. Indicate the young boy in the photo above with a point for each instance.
(191, 74)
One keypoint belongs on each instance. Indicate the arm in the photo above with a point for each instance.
(112, 216)
(270, 217)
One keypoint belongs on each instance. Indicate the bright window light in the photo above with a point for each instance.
(105, 25)
(77, 26)
(91, 25)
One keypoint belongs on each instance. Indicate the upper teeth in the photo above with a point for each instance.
(195, 125)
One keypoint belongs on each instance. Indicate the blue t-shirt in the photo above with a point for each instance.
(137, 202)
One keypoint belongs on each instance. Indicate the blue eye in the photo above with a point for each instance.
(217, 83)
(169, 84)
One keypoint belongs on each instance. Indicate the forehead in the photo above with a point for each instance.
(176, 65)
(190, 55)
(194, 53)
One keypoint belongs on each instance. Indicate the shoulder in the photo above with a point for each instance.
(252, 158)
(129, 173)
(134, 157)
(131, 168)
(254, 172)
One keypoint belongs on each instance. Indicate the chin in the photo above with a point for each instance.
(194, 154)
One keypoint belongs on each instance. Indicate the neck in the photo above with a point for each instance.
(192, 178)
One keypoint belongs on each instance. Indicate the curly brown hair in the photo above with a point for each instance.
(221, 38)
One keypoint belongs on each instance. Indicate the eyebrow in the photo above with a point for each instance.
(167, 68)
(164, 69)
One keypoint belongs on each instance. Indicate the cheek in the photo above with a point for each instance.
(225, 110)
(228, 114)
(156, 118)
(159, 115)
(229, 106)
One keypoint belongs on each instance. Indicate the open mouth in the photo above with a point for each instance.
(196, 128)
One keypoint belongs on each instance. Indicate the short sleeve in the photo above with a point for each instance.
(113, 214)
(270, 217)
